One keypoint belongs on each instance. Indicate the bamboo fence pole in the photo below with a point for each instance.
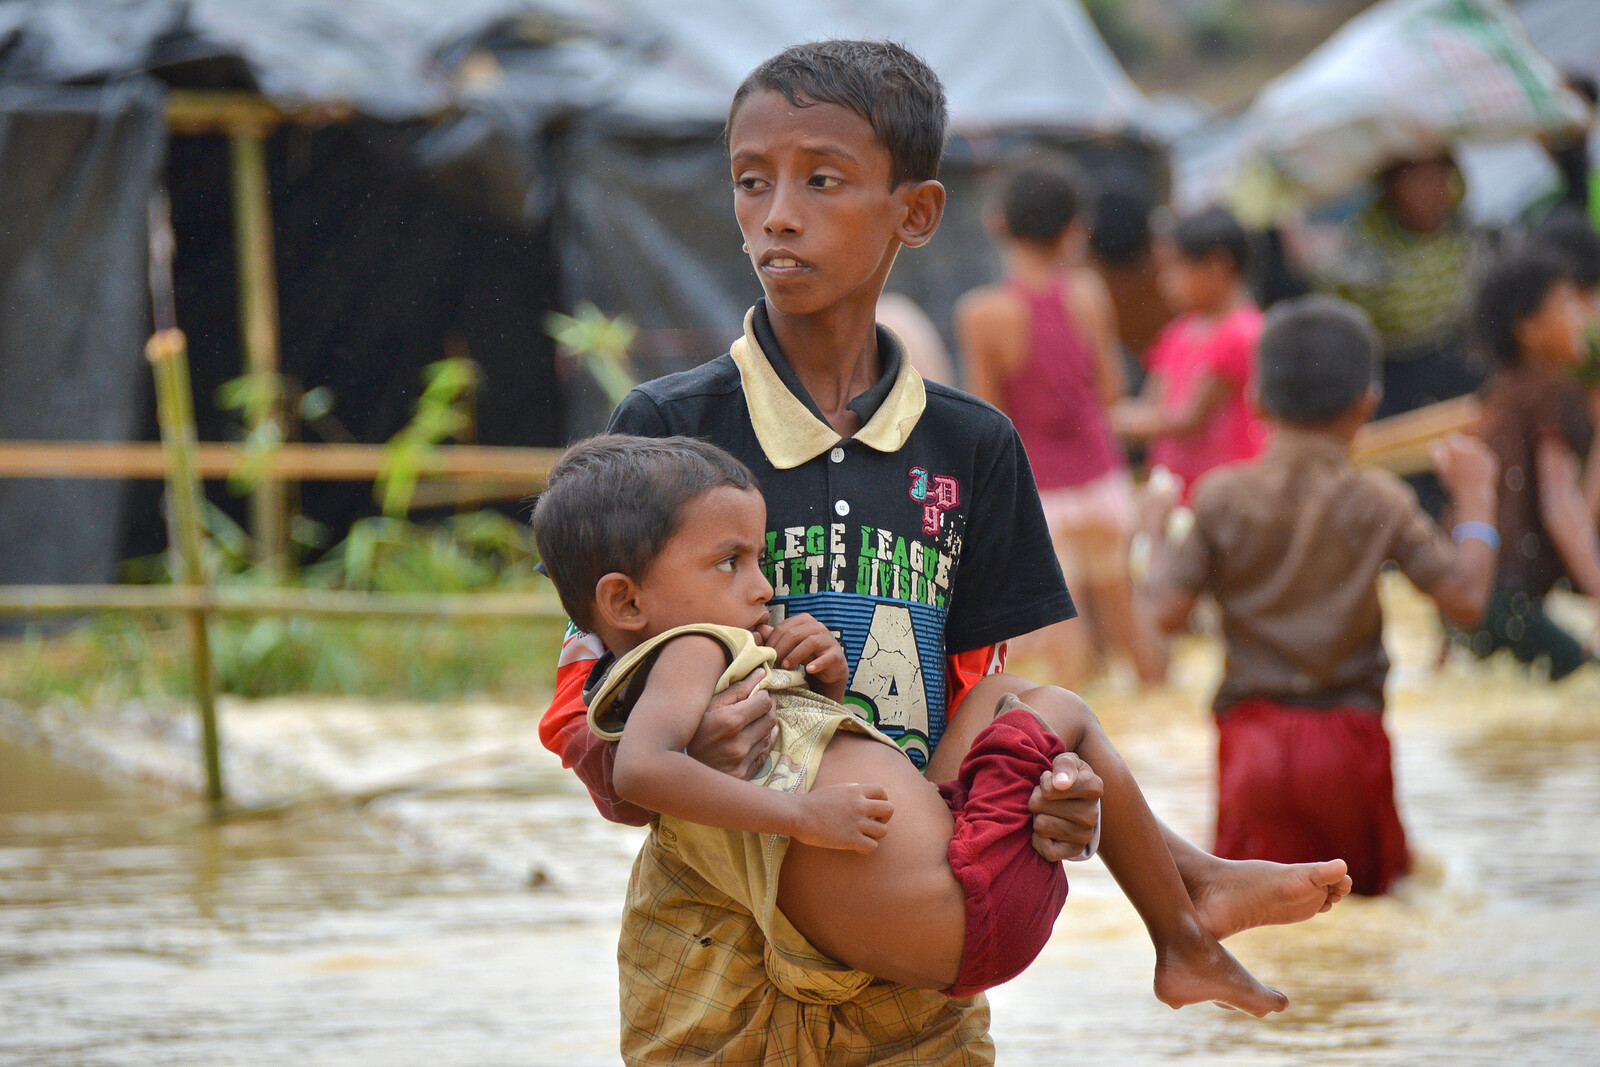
(506, 469)
(258, 324)
(174, 411)
(253, 601)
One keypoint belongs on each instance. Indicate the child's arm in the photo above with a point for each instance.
(1142, 419)
(1468, 471)
(1565, 514)
(802, 639)
(653, 771)
(1089, 301)
(987, 326)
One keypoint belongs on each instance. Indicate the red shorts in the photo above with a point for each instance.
(1299, 784)
(1013, 894)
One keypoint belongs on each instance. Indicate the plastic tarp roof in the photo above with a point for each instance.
(1026, 62)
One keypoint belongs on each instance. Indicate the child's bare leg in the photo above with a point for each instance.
(1228, 895)
(1191, 966)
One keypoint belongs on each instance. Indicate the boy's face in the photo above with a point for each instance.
(1554, 332)
(811, 192)
(710, 571)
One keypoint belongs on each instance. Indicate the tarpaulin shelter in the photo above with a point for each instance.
(482, 162)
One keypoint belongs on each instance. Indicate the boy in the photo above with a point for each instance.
(1530, 318)
(1041, 345)
(1195, 408)
(1291, 546)
(655, 545)
(902, 516)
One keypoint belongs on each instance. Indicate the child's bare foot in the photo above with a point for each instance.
(1236, 895)
(1204, 970)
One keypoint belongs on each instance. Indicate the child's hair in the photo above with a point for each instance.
(613, 502)
(1512, 291)
(885, 83)
(1038, 199)
(1214, 229)
(1568, 234)
(1318, 355)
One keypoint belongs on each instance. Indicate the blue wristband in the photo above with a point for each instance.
(1476, 531)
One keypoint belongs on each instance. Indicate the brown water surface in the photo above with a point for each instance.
(131, 934)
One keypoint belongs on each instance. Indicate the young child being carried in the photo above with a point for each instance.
(1291, 546)
(655, 545)
(1195, 409)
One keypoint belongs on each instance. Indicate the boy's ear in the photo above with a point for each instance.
(924, 203)
(616, 602)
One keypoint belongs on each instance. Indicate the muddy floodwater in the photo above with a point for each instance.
(474, 922)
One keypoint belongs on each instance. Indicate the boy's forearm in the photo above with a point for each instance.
(674, 783)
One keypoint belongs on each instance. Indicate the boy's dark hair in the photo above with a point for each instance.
(1318, 355)
(1512, 291)
(1214, 229)
(885, 83)
(1038, 199)
(1568, 234)
(613, 502)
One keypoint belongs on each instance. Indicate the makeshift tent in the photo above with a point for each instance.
(493, 159)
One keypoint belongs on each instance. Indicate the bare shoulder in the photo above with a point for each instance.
(988, 306)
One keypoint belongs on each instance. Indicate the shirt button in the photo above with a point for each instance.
(837, 455)
(841, 508)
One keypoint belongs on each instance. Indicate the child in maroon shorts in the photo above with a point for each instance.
(654, 545)
(1291, 546)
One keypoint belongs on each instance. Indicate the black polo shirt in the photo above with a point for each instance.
(919, 537)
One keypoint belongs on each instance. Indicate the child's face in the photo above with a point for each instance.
(1201, 284)
(811, 192)
(710, 571)
(1554, 332)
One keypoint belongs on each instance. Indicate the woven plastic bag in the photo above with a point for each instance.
(1405, 80)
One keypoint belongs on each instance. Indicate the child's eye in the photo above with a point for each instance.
(825, 181)
(726, 564)
(749, 185)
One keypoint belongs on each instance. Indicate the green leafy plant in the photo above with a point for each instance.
(600, 345)
(443, 412)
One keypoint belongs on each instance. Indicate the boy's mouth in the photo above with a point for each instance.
(781, 262)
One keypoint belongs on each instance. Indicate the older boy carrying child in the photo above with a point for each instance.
(656, 546)
(904, 518)
(1291, 546)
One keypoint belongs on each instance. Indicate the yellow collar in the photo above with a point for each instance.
(791, 435)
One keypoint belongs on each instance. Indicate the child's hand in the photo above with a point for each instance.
(801, 639)
(1467, 468)
(848, 816)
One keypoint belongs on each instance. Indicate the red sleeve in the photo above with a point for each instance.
(565, 731)
(1233, 355)
(964, 669)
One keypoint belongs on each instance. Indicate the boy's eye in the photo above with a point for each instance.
(749, 185)
(825, 181)
(726, 564)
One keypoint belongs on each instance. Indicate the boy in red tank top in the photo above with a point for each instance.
(1041, 345)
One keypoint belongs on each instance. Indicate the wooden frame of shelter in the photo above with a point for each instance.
(247, 119)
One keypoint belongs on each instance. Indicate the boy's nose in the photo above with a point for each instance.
(783, 215)
(761, 590)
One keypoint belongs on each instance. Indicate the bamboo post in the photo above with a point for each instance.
(175, 412)
(167, 351)
(258, 323)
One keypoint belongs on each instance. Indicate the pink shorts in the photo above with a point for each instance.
(1090, 525)
(1013, 894)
